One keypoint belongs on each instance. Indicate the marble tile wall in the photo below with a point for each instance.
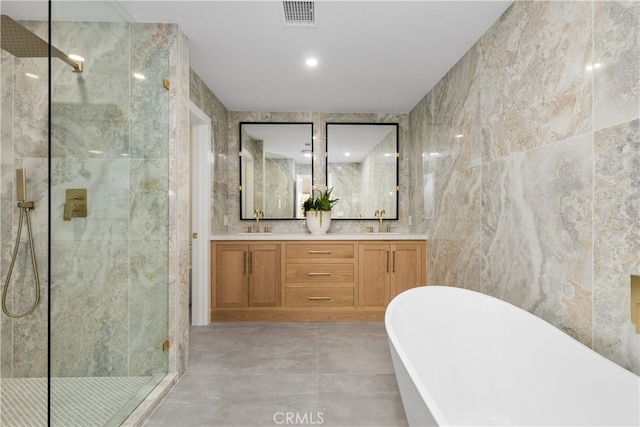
(280, 181)
(253, 151)
(377, 178)
(88, 138)
(616, 234)
(367, 186)
(123, 139)
(206, 100)
(231, 206)
(345, 180)
(529, 188)
(179, 200)
(23, 144)
(109, 139)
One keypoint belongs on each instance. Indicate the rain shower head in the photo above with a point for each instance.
(22, 43)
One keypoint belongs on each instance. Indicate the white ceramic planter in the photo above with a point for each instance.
(318, 222)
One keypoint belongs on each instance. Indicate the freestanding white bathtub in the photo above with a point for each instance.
(465, 358)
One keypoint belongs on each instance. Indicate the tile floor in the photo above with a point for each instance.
(284, 374)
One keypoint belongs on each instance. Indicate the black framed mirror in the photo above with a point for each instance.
(276, 169)
(362, 168)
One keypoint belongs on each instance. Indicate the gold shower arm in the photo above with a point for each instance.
(22, 43)
(77, 66)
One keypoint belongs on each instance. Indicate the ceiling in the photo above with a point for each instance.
(373, 56)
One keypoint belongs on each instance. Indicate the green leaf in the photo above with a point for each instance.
(323, 202)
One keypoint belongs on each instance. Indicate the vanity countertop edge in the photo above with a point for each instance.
(318, 237)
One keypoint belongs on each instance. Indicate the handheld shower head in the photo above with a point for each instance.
(21, 185)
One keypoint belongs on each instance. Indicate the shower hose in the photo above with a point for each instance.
(25, 207)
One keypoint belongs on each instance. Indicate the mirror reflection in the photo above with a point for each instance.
(276, 169)
(362, 169)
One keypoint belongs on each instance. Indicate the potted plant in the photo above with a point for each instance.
(318, 208)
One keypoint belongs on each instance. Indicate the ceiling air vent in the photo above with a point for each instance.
(298, 12)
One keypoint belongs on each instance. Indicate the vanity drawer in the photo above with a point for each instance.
(319, 296)
(319, 273)
(318, 251)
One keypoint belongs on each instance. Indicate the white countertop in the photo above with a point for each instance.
(327, 236)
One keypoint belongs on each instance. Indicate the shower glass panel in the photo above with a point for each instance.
(109, 249)
(23, 147)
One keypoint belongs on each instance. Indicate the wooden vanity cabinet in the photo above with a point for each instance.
(387, 269)
(247, 275)
(319, 274)
(230, 267)
(407, 266)
(307, 280)
(264, 275)
(373, 286)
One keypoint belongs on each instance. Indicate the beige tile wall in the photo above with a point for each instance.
(538, 202)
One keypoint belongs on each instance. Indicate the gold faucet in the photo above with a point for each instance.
(379, 214)
(257, 215)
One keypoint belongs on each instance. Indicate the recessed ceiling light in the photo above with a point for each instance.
(139, 76)
(595, 66)
(459, 135)
(32, 76)
(347, 154)
(311, 62)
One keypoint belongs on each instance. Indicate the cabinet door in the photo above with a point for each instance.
(264, 275)
(373, 279)
(231, 275)
(406, 267)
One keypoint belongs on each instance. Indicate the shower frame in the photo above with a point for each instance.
(172, 188)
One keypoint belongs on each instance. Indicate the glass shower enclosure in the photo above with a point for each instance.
(84, 152)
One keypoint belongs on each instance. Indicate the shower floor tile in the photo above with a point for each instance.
(82, 402)
(23, 402)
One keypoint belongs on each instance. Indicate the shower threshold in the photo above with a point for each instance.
(75, 401)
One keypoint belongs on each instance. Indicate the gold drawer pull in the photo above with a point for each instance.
(319, 298)
(319, 252)
(319, 274)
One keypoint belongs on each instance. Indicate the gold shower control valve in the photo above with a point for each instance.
(76, 204)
